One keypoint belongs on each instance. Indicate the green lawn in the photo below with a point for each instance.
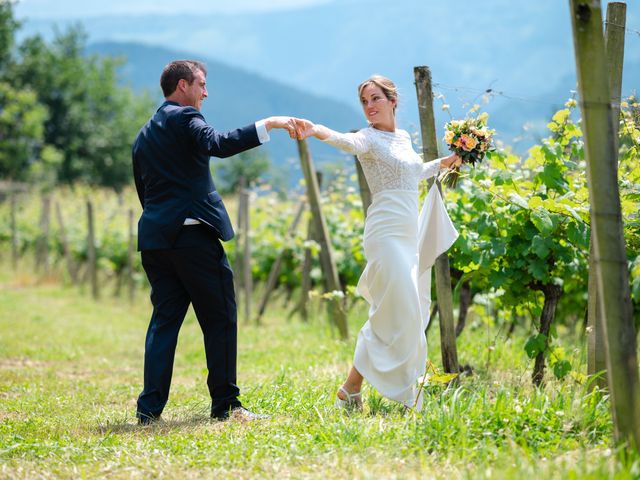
(71, 369)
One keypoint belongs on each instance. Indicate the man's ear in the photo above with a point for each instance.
(182, 84)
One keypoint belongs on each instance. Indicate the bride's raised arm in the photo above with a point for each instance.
(354, 143)
(430, 169)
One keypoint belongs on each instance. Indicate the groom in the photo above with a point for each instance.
(179, 233)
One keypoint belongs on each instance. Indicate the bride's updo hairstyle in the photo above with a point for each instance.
(387, 86)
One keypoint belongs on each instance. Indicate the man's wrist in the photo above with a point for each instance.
(272, 122)
(263, 131)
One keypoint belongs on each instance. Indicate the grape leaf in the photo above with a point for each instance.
(536, 344)
(561, 368)
(539, 247)
(542, 220)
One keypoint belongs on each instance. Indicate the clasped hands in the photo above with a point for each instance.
(298, 128)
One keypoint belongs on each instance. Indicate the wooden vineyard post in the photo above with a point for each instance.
(275, 268)
(247, 278)
(614, 44)
(91, 252)
(442, 271)
(131, 251)
(42, 256)
(237, 266)
(243, 278)
(14, 231)
(609, 246)
(305, 285)
(337, 311)
(65, 245)
(365, 191)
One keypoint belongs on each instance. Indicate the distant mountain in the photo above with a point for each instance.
(526, 124)
(521, 50)
(236, 97)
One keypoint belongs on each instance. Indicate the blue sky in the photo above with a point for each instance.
(83, 8)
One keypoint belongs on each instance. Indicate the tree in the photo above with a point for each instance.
(92, 121)
(8, 26)
(21, 131)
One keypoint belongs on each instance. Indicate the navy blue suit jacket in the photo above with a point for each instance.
(172, 176)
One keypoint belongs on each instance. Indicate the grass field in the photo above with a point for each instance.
(71, 369)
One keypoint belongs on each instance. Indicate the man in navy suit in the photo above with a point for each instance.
(179, 234)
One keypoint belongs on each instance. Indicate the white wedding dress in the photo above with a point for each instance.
(400, 247)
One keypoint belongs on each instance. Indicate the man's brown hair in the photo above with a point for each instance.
(177, 70)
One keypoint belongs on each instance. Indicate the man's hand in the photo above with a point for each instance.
(287, 123)
(298, 128)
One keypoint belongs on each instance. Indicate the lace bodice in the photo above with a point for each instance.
(387, 158)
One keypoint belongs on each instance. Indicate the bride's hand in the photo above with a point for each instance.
(305, 128)
(454, 160)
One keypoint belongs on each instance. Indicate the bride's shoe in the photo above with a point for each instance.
(353, 400)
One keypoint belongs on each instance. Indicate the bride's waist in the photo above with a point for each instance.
(409, 197)
(409, 192)
(395, 201)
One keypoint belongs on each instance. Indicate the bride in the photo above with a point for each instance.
(391, 348)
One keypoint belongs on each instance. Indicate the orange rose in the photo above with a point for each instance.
(468, 143)
(448, 137)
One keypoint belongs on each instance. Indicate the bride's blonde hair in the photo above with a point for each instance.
(387, 86)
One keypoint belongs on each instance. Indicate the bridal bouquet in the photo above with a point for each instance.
(470, 139)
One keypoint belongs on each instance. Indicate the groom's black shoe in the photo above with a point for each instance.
(147, 419)
(238, 413)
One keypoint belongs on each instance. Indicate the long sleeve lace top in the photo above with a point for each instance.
(387, 158)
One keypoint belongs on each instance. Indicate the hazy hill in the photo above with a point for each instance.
(534, 115)
(522, 50)
(236, 97)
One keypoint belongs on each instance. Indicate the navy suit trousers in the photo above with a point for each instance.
(194, 271)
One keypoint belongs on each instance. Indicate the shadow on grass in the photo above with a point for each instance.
(128, 425)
